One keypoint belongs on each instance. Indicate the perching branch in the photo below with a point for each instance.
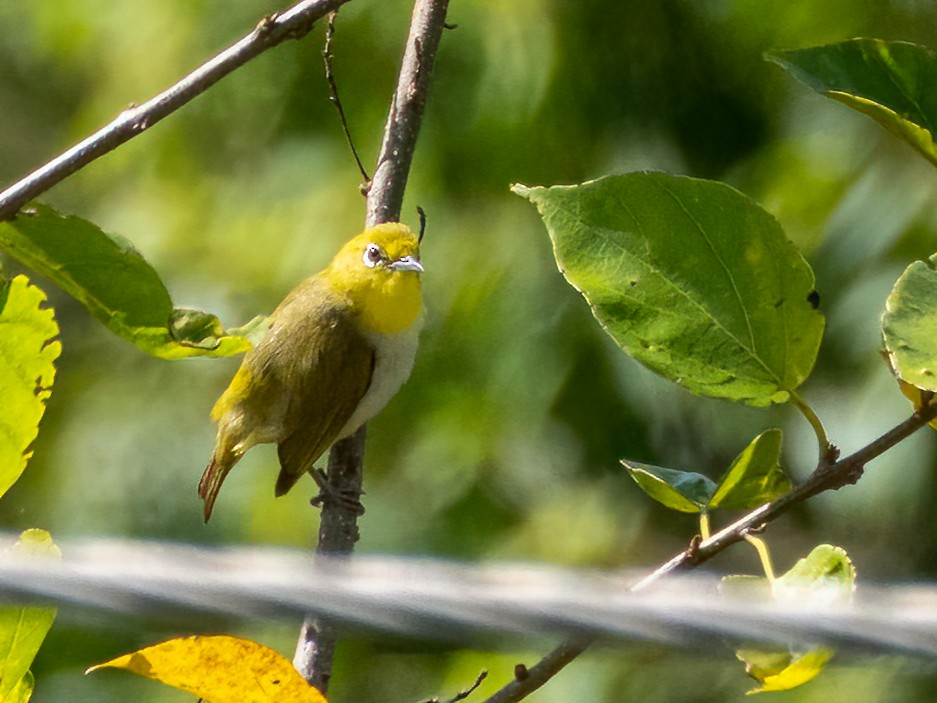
(827, 476)
(338, 529)
(293, 23)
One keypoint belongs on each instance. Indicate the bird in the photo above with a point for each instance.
(335, 351)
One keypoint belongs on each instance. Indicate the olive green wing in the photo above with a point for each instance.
(327, 376)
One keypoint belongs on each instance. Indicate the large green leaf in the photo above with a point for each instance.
(27, 371)
(891, 82)
(909, 325)
(115, 283)
(755, 477)
(691, 278)
(685, 491)
(23, 629)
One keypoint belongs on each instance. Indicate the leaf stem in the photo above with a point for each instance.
(822, 439)
(704, 528)
(764, 554)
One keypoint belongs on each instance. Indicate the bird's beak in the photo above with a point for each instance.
(406, 263)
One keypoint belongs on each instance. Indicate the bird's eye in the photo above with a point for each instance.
(373, 255)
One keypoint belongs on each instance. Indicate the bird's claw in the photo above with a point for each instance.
(328, 495)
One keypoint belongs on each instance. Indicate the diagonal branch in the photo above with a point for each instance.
(293, 23)
(338, 530)
(824, 478)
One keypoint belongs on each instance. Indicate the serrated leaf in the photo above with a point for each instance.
(27, 371)
(113, 281)
(755, 477)
(23, 629)
(824, 576)
(685, 491)
(909, 325)
(890, 81)
(691, 278)
(220, 669)
(798, 670)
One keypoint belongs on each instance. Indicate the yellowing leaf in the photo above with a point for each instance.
(220, 669)
(27, 371)
(801, 670)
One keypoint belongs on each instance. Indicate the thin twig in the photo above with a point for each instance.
(293, 23)
(338, 529)
(825, 477)
(462, 695)
(337, 101)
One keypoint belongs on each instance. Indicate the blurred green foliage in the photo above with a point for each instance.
(505, 442)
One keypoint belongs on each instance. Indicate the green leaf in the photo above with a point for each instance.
(782, 671)
(691, 278)
(891, 82)
(685, 491)
(909, 325)
(115, 283)
(27, 371)
(755, 477)
(22, 630)
(823, 577)
(826, 575)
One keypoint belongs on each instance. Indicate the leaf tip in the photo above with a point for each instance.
(520, 189)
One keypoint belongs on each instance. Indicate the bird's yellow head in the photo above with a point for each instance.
(379, 272)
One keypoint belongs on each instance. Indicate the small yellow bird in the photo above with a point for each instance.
(336, 350)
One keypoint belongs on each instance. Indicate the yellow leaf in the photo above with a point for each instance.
(220, 669)
(801, 670)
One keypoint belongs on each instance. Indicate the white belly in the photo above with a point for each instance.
(394, 357)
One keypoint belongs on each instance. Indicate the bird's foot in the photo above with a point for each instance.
(328, 494)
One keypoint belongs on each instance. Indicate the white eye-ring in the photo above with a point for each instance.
(373, 255)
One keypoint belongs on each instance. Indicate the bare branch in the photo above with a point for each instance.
(338, 529)
(293, 23)
(827, 476)
(406, 111)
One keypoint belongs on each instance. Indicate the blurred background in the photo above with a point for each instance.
(505, 442)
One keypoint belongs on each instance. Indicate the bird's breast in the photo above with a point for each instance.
(394, 355)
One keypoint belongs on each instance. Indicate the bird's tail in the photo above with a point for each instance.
(214, 475)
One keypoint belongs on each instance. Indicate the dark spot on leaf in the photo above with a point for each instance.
(779, 303)
(814, 299)
(276, 682)
(633, 283)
